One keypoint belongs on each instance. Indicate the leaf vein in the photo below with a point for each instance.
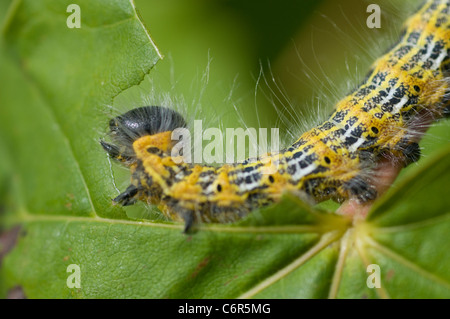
(406, 262)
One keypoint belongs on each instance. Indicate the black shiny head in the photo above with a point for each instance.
(146, 120)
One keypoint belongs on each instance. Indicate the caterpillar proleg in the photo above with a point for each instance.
(381, 121)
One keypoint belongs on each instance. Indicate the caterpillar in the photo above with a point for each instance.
(406, 90)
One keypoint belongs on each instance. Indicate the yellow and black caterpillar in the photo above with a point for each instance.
(406, 89)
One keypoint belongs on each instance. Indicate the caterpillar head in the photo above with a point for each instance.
(155, 123)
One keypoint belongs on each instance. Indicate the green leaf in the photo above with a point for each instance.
(56, 185)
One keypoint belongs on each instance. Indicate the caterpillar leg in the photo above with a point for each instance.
(114, 151)
(446, 111)
(360, 189)
(409, 152)
(189, 221)
(127, 197)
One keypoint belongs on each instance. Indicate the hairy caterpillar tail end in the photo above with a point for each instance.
(380, 122)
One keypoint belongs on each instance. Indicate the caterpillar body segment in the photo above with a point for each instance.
(407, 89)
